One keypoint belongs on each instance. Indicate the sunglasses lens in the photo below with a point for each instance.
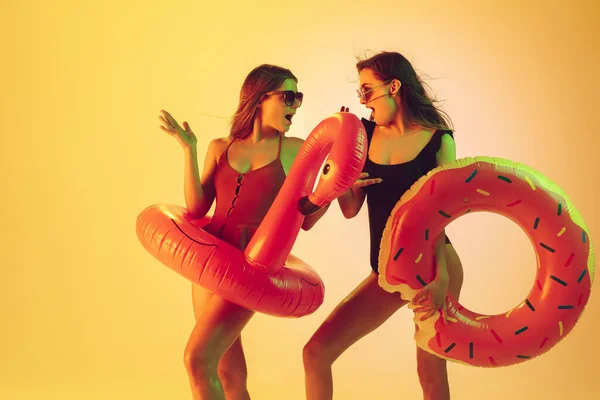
(290, 97)
(361, 95)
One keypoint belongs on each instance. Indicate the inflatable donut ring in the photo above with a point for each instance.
(260, 278)
(565, 259)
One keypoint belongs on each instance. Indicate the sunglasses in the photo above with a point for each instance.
(363, 95)
(289, 96)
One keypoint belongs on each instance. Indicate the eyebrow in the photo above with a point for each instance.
(364, 84)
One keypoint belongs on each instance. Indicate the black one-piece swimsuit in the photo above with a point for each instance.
(397, 179)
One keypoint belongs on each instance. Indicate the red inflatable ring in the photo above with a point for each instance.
(565, 269)
(265, 277)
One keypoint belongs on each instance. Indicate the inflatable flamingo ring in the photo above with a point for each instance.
(565, 259)
(260, 278)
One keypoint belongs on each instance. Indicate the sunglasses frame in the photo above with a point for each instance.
(297, 96)
(362, 95)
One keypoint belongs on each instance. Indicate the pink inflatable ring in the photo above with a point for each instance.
(265, 277)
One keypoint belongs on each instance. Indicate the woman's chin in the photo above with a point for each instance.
(280, 128)
(381, 122)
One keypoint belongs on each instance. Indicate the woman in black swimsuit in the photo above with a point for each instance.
(408, 136)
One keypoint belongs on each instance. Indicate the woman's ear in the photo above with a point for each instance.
(395, 86)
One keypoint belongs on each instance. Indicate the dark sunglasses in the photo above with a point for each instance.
(366, 95)
(289, 96)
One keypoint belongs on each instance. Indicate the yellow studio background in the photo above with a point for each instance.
(88, 314)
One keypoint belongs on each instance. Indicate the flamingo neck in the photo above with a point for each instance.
(273, 240)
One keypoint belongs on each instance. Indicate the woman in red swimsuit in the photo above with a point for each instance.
(243, 173)
(408, 136)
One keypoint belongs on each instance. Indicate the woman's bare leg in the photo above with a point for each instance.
(360, 313)
(218, 326)
(232, 368)
(432, 371)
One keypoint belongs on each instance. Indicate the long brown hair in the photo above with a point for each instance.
(419, 107)
(260, 80)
